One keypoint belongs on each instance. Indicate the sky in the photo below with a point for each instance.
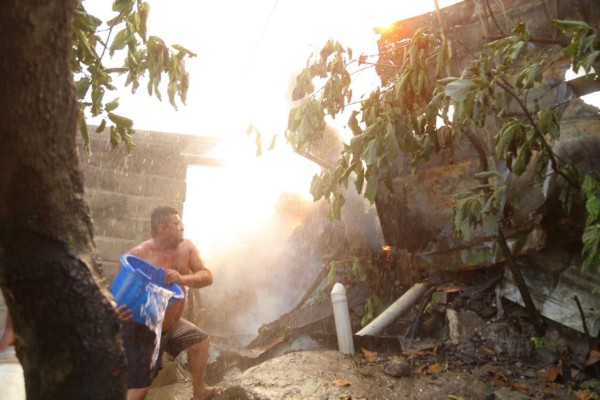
(248, 53)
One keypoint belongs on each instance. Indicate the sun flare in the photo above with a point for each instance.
(227, 203)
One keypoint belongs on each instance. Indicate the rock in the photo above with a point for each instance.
(506, 393)
(507, 340)
(462, 325)
(397, 369)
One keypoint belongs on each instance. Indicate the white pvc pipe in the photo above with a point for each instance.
(341, 315)
(392, 312)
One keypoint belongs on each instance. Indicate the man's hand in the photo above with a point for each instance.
(173, 276)
(124, 313)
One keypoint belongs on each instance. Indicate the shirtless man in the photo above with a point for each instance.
(181, 260)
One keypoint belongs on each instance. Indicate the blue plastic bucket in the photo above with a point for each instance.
(130, 286)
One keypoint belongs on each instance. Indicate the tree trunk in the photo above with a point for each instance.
(68, 330)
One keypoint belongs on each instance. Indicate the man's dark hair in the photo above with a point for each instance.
(161, 215)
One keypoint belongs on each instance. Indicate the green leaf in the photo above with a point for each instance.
(369, 154)
(514, 51)
(115, 139)
(111, 106)
(529, 76)
(369, 313)
(547, 123)
(82, 86)
(258, 141)
(120, 41)
(101, 127)
(348, 171)
(464, 195)
(143, 12)
(360, 180)
(505, 138)
(487, 175)
(592, 206)
(273, 142)
(588, 61)
(332, 267)
(353, 123)
(458, 89)
(120, 121)
(83, 129)
(97, 96)
(335, 211)
(371, 190)
(570, 27)
(520, 164)
(171, 92)
(489, 224)
(184, 51)
(390, 141)
(590, 239)
(358, 270)
(447, 80)
(427, 148)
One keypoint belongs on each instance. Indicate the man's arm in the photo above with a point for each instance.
(198, 277)
(8, 338)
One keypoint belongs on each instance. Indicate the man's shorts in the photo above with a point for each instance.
(139, 342)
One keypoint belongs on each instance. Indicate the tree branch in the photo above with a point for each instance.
(487, 3)
(313, 158)
(553, 161)
(536, 319)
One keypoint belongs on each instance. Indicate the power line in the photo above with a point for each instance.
(262, 34)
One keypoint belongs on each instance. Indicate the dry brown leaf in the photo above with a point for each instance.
(370, 356)
(549, 373)
(499, 379)
(421, 370)
(435, 368)
(490, 351)
(341, 382)
(586, 395)
(519, 387)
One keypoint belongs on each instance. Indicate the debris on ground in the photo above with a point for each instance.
(464, 347)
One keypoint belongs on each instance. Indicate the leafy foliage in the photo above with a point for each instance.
(394, 120)
(584, 48)
(405, 119)
(142, 55)
(591, 233)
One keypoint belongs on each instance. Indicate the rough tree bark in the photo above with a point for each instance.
(69, 332)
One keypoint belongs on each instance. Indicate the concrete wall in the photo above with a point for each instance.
(417, 213)
(123, 189)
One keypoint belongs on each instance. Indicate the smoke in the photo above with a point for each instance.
(263, 274)
(257, 278)
(262, 236)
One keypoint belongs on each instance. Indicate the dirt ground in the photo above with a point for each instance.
(432, 372)
(484, 359)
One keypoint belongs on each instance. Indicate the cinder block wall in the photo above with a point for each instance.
(122, 189)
